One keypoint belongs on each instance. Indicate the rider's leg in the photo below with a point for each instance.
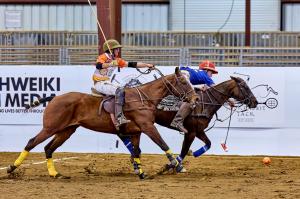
(120, 99)
(114, 120)
(108, 88)
(184, 110)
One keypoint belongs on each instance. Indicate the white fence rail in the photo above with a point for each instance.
(86, 55)
(152, 39)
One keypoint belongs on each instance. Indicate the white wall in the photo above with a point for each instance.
(145, 17)
(209, 16)
(49, 17)
(291, 17)
(256, 132)
(201, 16)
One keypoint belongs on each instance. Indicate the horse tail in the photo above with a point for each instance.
(38, 102)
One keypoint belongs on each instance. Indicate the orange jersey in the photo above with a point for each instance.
(105, 73)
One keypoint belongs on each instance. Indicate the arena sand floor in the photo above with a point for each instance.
(111, 176)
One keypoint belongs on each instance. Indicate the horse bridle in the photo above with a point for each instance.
(242, 90)
(183, 95)
(246, 100)
(241, 87)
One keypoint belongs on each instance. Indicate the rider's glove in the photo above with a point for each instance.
(151, 66)
(113, 63)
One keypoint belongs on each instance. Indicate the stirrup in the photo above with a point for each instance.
(117, 127)
(122, 120)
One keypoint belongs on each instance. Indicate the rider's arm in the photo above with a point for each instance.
(204, 87)
(139, 65)
(102, 60)
(144, 65)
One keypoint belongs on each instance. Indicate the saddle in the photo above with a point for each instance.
(108, 101)
(172, 103)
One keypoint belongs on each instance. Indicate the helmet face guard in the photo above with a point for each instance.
(111, 44)
(208, 65)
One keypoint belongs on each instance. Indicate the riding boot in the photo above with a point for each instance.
(119, 102)
(184, 110)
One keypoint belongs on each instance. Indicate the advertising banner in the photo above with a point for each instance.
(20, 85)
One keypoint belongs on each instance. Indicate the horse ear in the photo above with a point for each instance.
(177, 71)
(234, 78)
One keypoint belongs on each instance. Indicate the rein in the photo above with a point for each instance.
(222, 120)
(241, 102)
(219, 104)
(167, 83)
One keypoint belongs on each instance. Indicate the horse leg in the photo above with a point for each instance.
(56, 142)
(136, 144)
(151, 131)
(39, 138)
(136, 161)
(188, 140)
(202, 136)
(127, 142)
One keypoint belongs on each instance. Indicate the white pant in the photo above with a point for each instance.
(106, 87)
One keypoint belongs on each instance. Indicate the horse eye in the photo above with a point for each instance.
(183, 80)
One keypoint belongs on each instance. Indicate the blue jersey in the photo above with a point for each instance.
(198, 76)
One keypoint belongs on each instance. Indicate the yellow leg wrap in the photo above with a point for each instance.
(21, 158)
(169, 152)
(140, 171)
(170, 156)
(51, 168)
(137, 160)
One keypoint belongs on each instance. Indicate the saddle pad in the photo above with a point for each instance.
(169, 103)
(96, 93)
(109, 104)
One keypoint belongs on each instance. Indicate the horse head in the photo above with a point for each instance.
(182, 87)
(243, 93)
(174, 84)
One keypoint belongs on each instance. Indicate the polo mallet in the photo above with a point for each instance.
(248, 76)
(224, 146)
(98, 23)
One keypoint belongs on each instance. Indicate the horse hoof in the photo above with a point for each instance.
(183, 170)
(179, 168)
(11, 168)
(142, 176)
(60, 176)
(190, 153)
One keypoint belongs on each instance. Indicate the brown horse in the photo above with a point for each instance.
(65, 113)
(208, 104)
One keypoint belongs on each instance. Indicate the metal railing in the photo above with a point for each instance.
(83, 55)
(152, 39)
(30, 56)
(48, 38)
(246, 56)
(211, 39)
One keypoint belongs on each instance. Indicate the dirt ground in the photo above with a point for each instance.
(111, 176)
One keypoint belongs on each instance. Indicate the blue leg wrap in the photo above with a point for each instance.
(129, 145)
(201, 151)
(179, 159)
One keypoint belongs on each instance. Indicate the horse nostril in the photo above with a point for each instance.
(248, 101)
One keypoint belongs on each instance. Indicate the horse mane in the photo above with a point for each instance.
(151, 82)
(221, 84)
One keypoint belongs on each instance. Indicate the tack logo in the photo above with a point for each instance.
(16, 92)
(267, 98)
